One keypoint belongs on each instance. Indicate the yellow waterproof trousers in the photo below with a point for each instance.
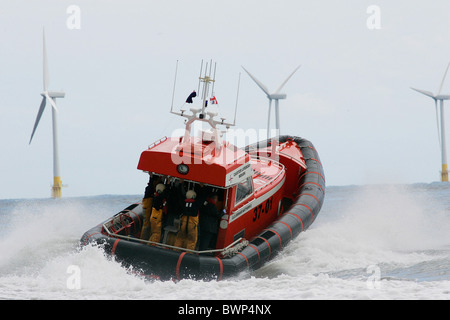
(187, 236)
(155, 225)
(147, 206)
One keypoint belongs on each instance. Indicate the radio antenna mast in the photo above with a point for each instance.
(214, 78)
(200, 113)
(199, 77)
(237, 98)
(174, 82)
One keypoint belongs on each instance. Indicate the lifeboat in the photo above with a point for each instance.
(267, 194)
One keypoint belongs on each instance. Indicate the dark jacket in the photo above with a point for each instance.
(150, 189)
(209, 217)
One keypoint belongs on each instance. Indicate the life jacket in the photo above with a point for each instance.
(190, 209)
(159, 202)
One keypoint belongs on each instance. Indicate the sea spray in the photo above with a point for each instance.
(370, 226)
(401, 230)
(41, 229)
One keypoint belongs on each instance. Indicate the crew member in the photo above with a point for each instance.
(209, 222)
(174, 208)
(188, 234)
(147, 203)
(159, 202)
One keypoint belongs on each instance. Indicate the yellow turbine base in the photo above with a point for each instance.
(444, 173)
(56, 189)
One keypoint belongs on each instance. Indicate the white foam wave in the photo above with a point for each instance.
(396, 229)
(387, 225)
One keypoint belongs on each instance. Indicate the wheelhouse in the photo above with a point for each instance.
(250, 187)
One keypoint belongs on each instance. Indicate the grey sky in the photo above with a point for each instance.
(351, 96)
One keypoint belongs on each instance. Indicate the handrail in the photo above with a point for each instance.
(281, 166)
(167, 245)
(154, 144)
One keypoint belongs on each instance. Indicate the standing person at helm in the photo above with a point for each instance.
(159, 203)
(209, 222)
(188, 234)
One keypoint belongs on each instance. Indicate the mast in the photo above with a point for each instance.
(56, 188)
(444, 173)
(200, 113)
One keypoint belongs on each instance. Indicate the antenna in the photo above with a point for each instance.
(206, 80)
(214, 78)
(210, 67)
(200, 114)
(199, 77)
(203, 89)
(174, 82)
(237, 98)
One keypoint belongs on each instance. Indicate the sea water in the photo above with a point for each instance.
(368, 242)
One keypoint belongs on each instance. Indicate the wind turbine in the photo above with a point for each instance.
(50, 96)
(441, 127)
(273, 96)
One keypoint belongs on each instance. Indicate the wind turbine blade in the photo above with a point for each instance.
(45, 62)
(427, 93)
(443, 79)
(263, 87)
(52, 102)
(38, 117)
(287, 79)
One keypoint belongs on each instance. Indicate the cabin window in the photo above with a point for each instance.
(244, 189)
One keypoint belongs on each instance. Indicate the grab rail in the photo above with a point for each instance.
(167, 245)
(280, 165)
(154, 144)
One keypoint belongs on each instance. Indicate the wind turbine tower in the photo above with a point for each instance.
(440, 124)
(50, 96)
(273, 96)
